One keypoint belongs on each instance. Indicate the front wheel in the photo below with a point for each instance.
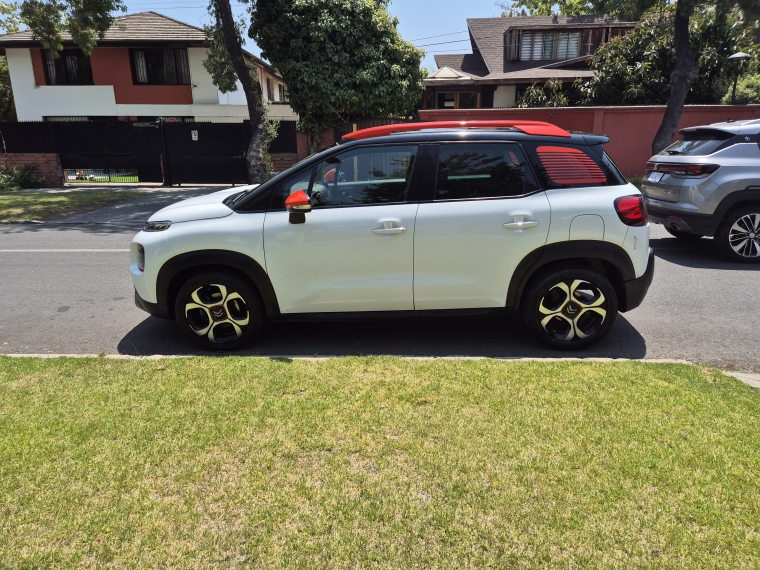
(738, 237)
(219, 310)
(570, 309)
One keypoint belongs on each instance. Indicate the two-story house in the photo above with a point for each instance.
(511, 54)
(147, 66)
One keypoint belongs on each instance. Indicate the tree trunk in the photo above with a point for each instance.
(680, 80)
(257, 153)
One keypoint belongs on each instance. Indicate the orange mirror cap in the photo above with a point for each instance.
(298, 200)
(329, 176)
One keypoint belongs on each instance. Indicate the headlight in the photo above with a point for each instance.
(156, 226)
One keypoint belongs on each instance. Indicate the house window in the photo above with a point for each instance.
(512, 45)
(568, 45)
(71, 67)
(283, 93)
(160, 67)
(468, 101)
(458, 101)
(592, 39)
(270, 91)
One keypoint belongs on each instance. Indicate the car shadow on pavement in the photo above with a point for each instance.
(468, 337)
(699, 254)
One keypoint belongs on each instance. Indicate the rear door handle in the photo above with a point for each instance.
(521, 225)
(389, 231)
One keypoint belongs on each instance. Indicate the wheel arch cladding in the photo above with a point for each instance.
(609, 259)
(748, 197)
(178, 269)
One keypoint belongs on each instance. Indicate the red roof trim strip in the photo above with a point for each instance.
(528, 127)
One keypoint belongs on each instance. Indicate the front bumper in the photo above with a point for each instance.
(156, 309)
(701, 224)
(636, 289)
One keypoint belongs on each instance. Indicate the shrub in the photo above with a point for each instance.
(19, 177)
(747, 90)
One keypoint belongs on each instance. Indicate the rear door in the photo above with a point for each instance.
(355, 250)
(486, 214)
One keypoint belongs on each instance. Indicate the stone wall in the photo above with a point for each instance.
(48, 165)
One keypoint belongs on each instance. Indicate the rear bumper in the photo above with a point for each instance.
(636, 289)
(702, 224)
(155, 309)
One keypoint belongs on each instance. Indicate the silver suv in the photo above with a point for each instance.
(708, 184)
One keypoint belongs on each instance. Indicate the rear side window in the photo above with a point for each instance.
(480, 170)
(698, 143)
(569, 166)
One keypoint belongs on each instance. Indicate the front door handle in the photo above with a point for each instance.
(521, 225)
(389, 231)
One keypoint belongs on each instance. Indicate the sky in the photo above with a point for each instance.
(423, 22)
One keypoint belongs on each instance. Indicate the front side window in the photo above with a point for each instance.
(300, 181)
(362, 176)
(468, 171)
(71, 67)
(160, 66)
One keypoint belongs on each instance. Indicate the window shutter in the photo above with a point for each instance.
(548, 51)
(538, 44)
(573, 44)
(141, 70)
(527, 45)
(566, 165)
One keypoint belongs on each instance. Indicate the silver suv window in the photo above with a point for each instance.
(698, 143)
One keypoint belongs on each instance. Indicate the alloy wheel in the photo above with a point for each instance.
(217, 313)
(573, 310)
(744, 236)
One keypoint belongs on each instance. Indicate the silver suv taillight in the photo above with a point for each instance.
(678, 169)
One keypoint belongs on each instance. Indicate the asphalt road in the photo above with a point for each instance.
(65, 288)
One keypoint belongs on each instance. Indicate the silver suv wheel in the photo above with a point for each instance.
(738, 237)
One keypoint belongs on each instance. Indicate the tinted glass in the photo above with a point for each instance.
(698, 143)
(480, 170)
(371, 175)
(298, 182)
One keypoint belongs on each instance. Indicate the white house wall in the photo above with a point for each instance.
(35, 101)
(204, 90)
(504, 96)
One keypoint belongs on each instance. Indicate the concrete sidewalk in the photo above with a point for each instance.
(124, 187)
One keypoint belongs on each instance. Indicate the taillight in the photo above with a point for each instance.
(631, 210)
(682, 169)
(140, 257)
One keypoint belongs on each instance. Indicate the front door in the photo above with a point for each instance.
(355, 250)
(485, 217)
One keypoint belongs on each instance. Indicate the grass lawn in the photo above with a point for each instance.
(376, 462)
(43, 206)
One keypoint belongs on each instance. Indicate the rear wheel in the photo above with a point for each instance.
(686, 236)
(570, 309)
(738, 237)
(219, 310)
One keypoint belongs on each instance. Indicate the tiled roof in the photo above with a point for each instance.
(468, 63)
(140, 27)
(488, 34)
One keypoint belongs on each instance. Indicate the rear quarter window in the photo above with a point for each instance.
(563, 166)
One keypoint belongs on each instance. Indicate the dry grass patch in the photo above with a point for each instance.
(375, 462)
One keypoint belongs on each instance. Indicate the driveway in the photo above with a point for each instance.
(65, 288)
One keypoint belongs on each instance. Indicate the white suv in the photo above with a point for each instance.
(428, 219)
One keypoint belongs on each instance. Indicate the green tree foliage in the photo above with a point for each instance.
(636, 69)
(747, 91)
(7, 108)
(341, 59)
(550, 95)
(86, 21)
(549, 7)
(10, 19)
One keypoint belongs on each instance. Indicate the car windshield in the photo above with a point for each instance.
(697, 143)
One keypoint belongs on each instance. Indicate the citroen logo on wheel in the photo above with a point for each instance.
(218, 313)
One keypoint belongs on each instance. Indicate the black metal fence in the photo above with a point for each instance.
(173, 153)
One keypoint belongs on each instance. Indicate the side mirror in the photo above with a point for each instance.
(297, 205)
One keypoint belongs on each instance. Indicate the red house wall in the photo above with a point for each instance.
(111, 66)
(38, 66)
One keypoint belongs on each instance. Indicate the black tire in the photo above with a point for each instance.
(594, 304)
(234, 302)
(686, 236)
(738, 237)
